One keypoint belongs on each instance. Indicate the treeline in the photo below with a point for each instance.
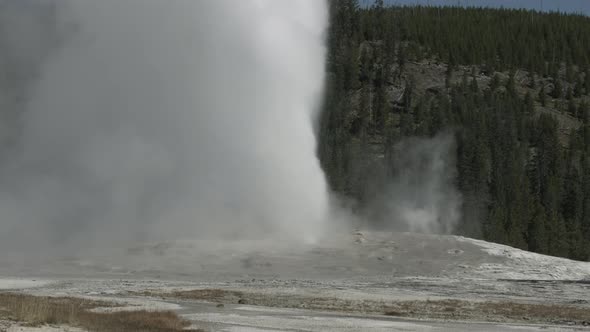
(523, 174)
(502, 39)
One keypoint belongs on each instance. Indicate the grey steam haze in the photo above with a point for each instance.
(421, 195)
(152, 120)
(175, 118)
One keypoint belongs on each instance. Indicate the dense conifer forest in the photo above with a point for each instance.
(512, 87)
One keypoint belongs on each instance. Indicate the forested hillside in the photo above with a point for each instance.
(512, 88)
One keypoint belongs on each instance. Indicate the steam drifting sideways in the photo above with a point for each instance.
(175, 118)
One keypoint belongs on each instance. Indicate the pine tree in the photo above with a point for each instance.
(529, 104)
(474, 86)
(496, 231)
(557, 89)
(448, 76)
(554, 70)
(543, 97)
(557, 236)
(570, 94)
(532, 80)
(569, 73)
(583, 112)
(406, 125)
(495, 83)
(380, 104)
(578, 247)
(579, 88)
(537, 230)
(572, 109)
(401, 58)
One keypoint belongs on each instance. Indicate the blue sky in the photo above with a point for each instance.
(577, 6)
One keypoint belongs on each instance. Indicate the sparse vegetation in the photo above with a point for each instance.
(492, 311)
(500, 311)
(35, 311)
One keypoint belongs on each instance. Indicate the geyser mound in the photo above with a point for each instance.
(173, 118)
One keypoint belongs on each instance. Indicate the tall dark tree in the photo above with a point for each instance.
(557, 89)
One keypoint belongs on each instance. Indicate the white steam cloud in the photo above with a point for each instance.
(173, 118)
(421, 195)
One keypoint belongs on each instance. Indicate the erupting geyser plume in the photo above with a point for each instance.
(176, 118)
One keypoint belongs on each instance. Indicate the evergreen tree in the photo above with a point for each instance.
(569, 94)
(510, 85)
(401, 58)
(537, 238)
(543, 97)
(569, 73)
(496, 231)
(572, 109)
(579, 88)
(529, 104)
(495, 83)
(532, 80)
(448, 76)
(474, 86)
(583, 112)
(557, 89)
(557, 235)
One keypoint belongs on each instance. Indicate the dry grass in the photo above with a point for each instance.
(214, 295)
(492, 311)
(270, 300)
(165, 321)
(34, 310)
(505, 311)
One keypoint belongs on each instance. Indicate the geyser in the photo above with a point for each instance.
(173, 118)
